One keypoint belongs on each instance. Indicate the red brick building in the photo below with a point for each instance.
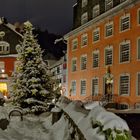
(9, 39)
(104, 51)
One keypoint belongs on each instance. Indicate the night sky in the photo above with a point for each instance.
(54, 15)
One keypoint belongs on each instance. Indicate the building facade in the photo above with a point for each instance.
(104, 51)
(9, 39)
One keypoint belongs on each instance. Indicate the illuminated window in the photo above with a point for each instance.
(3, 87)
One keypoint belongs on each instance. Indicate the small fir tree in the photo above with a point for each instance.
(32, 87)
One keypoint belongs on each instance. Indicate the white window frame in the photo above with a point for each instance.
(96, 11)
(126, 74)
(120, 55)
(81, 87)
(138, 48)
(96, 34)
(109, 29)
(73, 88)
(137, 105)
(96, 52)
(137, 86)
(97, 88)
(83, 63)
(84, 40)
(2, 67)
(108, 4)
(84, 3)
(138, 16)
(127, 22)
(105, 59)
(73, 65)
(84, 18)
(74, 44)
(5, 47)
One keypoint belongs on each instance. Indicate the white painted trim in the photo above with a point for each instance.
(8, 55)
(138, 38)
(138, 16)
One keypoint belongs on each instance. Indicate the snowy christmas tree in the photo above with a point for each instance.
(32, 87)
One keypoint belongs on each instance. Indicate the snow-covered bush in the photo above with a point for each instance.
(32, 86)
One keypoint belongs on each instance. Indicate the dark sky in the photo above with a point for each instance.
(54, 15)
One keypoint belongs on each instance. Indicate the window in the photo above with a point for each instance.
(74, 64)
(124, 85)
(108, 55)
(138, 16)
(2, 67)
(109, 29)
(84, 40)
(124, 51)
(84, 18)
(96, 11)
(125, 22)
(108, 4)
(4, 47)
(96, 59)
(74, 44)
(84, 3)
(96, 34)
(138, 84)
(73, 87)
(137, 106)
(95, 86)
(83, 87)
(83, 62)
(138, 48)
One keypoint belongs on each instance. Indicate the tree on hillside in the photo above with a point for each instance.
(32, 87)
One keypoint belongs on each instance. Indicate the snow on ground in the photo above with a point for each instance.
(40, 127)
